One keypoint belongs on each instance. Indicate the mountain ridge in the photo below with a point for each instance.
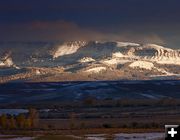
(94, 60)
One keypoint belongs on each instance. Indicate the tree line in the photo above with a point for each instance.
(21, 121)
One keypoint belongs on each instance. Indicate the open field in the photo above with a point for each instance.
(107, 117)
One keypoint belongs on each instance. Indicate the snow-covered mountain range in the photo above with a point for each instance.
(81, 60)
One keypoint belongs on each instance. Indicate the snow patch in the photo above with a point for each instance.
(149, 96)
(96, 70)
(6, 63)
(170, 61)
(118, 54)
(155, 46)
(115, 61)
(86, 60)
(164, 71)
(68, 48)
(38, 72)
(125, 44)
(2, 64)
(142, 64)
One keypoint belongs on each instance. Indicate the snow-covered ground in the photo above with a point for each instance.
(115, 61)
(92, 57)
(86, 59)
(7, 63)
(139, 136)
(125, 136)
(96, 69)
(124, 44)
(68, 48)
(142, 64)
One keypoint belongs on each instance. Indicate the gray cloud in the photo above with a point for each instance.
(68, 31)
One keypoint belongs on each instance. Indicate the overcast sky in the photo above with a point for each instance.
(149, 21)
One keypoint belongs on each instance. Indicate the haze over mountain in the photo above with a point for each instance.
(82, 60)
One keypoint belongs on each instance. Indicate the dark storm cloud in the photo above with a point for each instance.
(67, 31)
(84, 11)
(132, 20)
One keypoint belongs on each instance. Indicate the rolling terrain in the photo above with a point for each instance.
(32, 93)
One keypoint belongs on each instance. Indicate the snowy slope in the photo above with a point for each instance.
(120, 59)
(68, 48)
(142, 64)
